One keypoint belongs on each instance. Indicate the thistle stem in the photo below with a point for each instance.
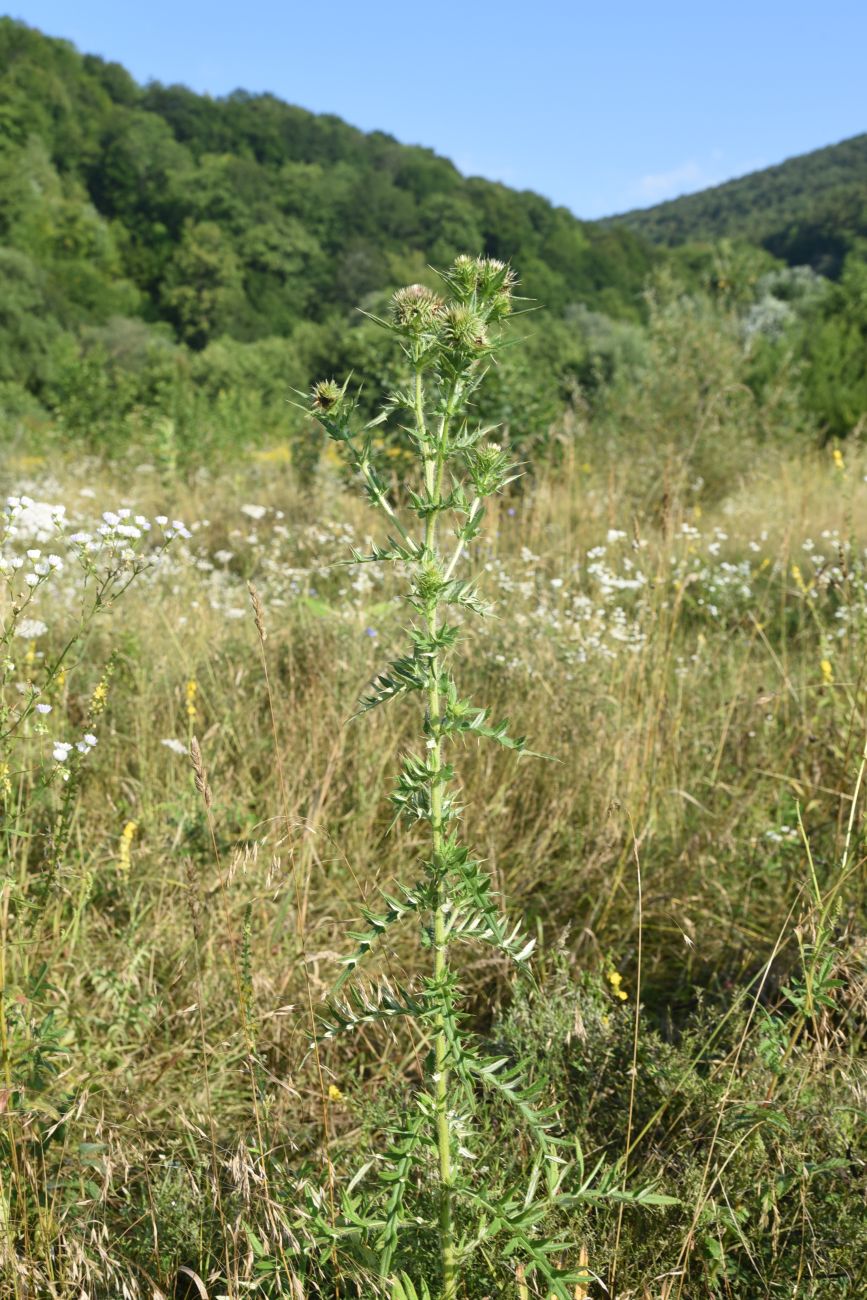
(440, 971)
(433, 481)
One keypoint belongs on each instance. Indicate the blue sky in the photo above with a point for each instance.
(602, 106)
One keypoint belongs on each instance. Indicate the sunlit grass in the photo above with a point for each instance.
(704, 732)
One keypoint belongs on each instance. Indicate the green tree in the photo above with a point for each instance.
(203, 288)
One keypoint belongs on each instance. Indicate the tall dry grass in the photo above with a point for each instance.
(167, 1113)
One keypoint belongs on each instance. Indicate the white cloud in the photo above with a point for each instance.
(692, 175)
(659, 185)
(470, 165)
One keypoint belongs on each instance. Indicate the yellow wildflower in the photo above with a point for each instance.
(192, 691)
(799, 579)
(98, 698)
(837, 454)
(334, 1093)
(279, 455)
(126, 839)
(615, 979)
(827, 671)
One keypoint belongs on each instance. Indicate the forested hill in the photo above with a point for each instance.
(808, 210)
(172, 265)
(244, 216)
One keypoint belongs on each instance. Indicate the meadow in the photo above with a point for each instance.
(688, 856)
(546, 978)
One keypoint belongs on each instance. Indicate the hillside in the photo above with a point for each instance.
(807, 210)
(244, 216)
(172, 265)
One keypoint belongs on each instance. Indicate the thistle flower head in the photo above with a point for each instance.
(463, 275)
(416, 308)
(495, 276)
(428, 582)
(326, 396)
(488, 466)
(487, 279)
(464, 330)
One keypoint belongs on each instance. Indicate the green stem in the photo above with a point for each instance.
(441, 1076)
(434, 467)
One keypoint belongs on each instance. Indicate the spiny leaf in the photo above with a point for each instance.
(393, 551)
(401, 1160)
(371, 1006)
(463, 718)
(479, 926)
(414, 900)
(416, 780)
(409, 673)
(459, 592)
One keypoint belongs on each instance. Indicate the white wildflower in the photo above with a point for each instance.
(30, 628)
(176, 746)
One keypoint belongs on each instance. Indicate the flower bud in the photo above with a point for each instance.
(428, 582)
(495, 277)
(488, 466)
(485, 278)
(464, 330)
(463, 275)
(326, 396)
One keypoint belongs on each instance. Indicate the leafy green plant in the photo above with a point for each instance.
(449, 341)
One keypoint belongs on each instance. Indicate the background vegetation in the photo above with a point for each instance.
(679, 578)
(170, 263)
(810, 210)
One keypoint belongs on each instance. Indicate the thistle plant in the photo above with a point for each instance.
(450, 340)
